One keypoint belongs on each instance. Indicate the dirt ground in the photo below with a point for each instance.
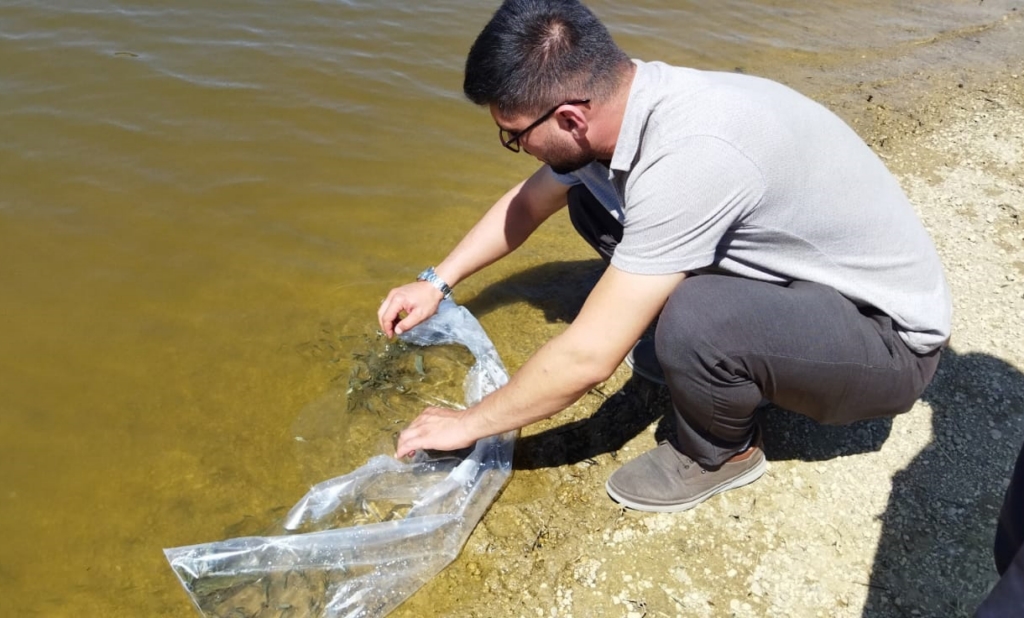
(890, 518)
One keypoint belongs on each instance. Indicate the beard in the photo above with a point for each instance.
(564, 160)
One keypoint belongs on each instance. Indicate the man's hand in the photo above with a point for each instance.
(435, 428)
(417, 301)
(507, 224)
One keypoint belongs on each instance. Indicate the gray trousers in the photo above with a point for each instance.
(725, 342)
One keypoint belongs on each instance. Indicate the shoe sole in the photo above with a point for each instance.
(746, 478)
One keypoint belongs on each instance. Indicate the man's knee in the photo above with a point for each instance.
(693, 317)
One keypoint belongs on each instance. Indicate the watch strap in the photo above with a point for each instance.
(430, 276)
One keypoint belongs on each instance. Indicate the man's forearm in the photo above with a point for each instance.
(555, 377)
(615, 315)
(504, 227)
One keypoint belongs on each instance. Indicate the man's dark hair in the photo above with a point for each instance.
(537, 53)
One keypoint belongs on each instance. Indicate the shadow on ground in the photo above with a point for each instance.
(556, 288)
(934, 556)
(626, 413)
(619, 419)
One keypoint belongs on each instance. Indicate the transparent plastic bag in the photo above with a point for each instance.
(360, 544)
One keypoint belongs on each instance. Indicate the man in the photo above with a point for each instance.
(782, 257)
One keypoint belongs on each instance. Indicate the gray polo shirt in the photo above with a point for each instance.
(728, 172)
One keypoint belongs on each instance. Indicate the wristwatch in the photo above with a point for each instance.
(431, 277)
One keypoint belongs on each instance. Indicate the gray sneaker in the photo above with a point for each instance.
(664, 480)
(643, 360)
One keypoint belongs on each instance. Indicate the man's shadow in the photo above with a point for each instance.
(626, 413)
(556, 288)
(934, 556)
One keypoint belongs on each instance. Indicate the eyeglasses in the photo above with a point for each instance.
(510, 139)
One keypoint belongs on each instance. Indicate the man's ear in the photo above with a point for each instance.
(572, 120)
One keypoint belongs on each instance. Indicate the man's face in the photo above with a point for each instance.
(548, 139)
(564, 156)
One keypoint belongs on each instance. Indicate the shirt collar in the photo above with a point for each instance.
(634, 118)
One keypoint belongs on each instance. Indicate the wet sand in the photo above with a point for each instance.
(883, 518)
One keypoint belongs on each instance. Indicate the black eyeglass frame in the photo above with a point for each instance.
(510, 139)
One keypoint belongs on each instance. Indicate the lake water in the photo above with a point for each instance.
(201, 206)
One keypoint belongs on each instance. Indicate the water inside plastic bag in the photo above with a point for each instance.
(357, 545)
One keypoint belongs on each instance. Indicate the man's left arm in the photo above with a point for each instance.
(615, 315)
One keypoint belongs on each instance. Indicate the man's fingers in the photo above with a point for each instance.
(412, 318)
(390, 309)
(412, 435)
(406, 443)
(414, 300)
(383, 307)
(422, 432)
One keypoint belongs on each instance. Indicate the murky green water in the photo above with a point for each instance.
(195, 197)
